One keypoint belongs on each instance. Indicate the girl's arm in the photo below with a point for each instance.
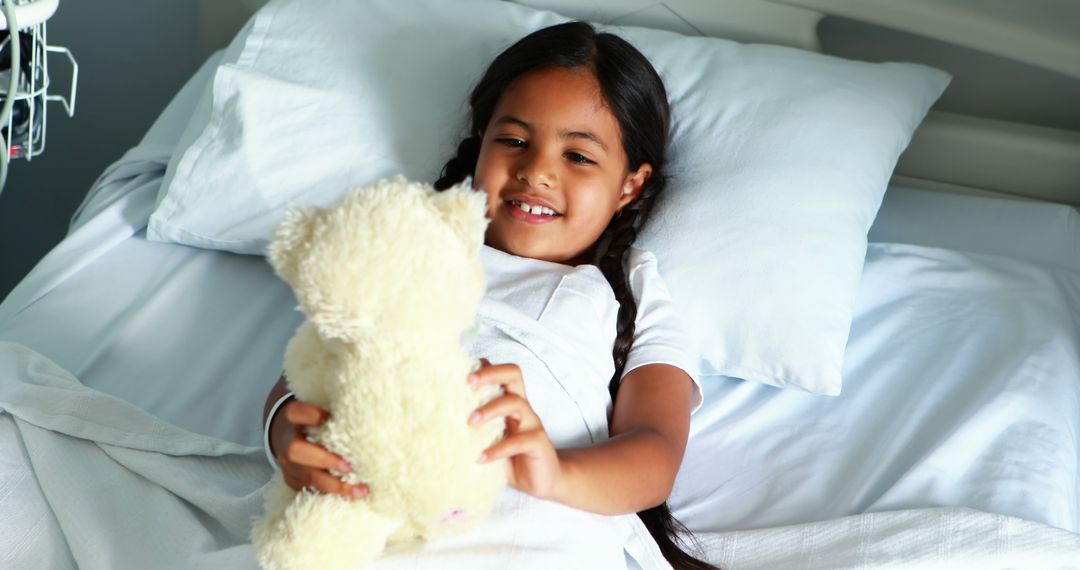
(635, 469)
(632, 471)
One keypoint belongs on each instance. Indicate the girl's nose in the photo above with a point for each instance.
(536, 170)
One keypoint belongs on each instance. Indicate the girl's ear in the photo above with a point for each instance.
(633, 184)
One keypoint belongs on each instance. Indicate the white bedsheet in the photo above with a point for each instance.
(942, 538)
(961, 389)
(107, 485)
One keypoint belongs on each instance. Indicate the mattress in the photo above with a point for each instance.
(960, 379)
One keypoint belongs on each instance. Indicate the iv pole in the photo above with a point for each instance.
(28, 80)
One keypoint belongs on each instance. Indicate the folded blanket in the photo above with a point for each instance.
(126, 489)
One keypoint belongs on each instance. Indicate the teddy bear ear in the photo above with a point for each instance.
(463, 209)
(291, 241)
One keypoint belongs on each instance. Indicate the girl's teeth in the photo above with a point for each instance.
(535, 210)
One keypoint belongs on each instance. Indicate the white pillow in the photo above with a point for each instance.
(779, 158)
(1030, 230)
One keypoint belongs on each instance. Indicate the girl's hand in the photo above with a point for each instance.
(305, 464)
(533, 465)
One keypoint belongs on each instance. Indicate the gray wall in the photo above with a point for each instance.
(133, 57)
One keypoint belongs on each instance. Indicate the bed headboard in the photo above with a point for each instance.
(1008, 124)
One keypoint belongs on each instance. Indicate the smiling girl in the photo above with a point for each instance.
(567, 137)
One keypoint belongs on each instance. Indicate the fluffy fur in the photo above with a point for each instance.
(389, 279)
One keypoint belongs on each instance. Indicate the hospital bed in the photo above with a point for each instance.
(955, 441)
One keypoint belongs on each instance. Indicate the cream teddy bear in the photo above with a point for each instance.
(389, 279)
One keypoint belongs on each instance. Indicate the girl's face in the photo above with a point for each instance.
(553, 166)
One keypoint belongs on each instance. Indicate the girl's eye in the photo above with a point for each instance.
(578, 158)
(511, 142)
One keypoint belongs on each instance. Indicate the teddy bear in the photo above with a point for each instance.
(389, 280)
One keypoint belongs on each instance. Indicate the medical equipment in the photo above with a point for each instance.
(24, 52)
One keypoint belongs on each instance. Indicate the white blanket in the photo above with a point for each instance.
(951, 538)
(117, 486)
(122, 489)
(102, 484)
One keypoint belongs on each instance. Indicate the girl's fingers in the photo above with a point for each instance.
(513, 407)
(322, 481)
(305, 414)
(303, 452)
(305, 464)
(506, 375)
(292, 481)
(518, 444)
(326, 483)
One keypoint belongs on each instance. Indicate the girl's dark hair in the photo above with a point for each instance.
(635, 94)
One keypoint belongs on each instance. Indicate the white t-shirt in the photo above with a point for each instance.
(577, 311)
(557, 323)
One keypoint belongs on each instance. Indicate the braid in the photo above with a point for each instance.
(462, 165)
(610, 255)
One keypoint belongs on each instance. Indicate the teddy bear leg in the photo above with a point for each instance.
(319, 531)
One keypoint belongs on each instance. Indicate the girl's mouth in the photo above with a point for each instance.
(534, 214)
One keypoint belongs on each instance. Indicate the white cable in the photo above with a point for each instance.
(13, 86)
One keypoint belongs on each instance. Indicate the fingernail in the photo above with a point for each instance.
(482, 458)
(475, 417)
(359, 492)
(344, 466)
(473, 379)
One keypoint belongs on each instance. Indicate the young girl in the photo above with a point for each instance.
(567, 138)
